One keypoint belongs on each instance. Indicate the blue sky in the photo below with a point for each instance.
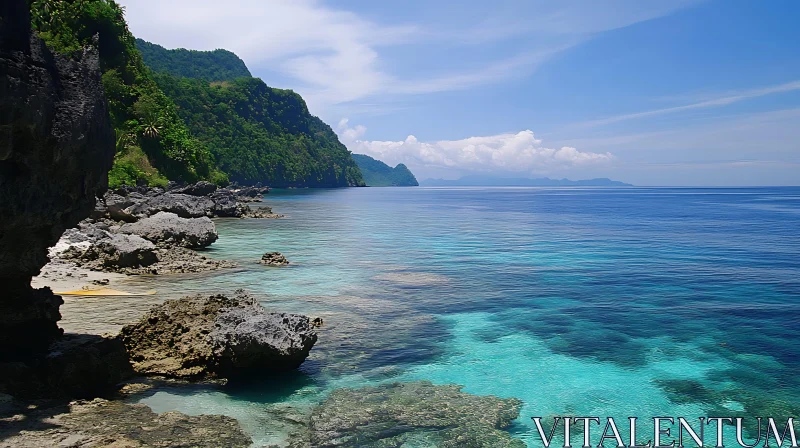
(652, 93)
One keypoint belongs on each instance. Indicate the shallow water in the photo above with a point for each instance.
(606, 302)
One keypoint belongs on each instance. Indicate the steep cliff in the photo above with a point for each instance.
(56, 147)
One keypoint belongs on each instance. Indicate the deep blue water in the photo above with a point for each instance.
(608, 302)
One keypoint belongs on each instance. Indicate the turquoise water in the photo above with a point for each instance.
(601, 302)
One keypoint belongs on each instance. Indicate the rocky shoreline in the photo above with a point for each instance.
(141, 230)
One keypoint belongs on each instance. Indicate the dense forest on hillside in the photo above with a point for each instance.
(153, 143)
(238, 129)
(379, 174)
(217, 65)
(261, 134)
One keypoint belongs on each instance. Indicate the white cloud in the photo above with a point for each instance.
(329, 50)
(521, 152)
(724, 100)
(335, 54)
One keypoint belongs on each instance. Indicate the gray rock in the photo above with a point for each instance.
(202, 188)
(262, 212)
(410, 414)
(56, 148)
(217, 336)
(168, 229)
(183, 205)
(226, 205)
(247, 341)
(116, 205)
(115, 252)
(274, 259)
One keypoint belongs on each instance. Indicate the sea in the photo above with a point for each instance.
(578, 301)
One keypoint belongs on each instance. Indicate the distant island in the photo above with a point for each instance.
(379, 174)
(483, 181)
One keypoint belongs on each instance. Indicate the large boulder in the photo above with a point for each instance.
(226, 204)
(410, 414)
(113, 253)
(56, 148)
(183, 205)
(217, 336)
(168, 229)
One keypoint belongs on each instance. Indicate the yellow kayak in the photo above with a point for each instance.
(102, 292)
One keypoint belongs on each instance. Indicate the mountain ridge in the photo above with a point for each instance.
(214, 65)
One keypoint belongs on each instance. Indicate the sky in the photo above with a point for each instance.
(678, 92)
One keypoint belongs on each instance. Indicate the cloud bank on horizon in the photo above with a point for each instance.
(511, 153)
(644, 91)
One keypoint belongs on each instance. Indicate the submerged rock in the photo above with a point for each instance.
(413, 414)
(168, 229)
(102, 423)
(262, 212)
(274, 259)
(217, 336)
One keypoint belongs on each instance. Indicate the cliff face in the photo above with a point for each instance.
(56, 147)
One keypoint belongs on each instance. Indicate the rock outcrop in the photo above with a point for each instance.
(197, 200)
(202, 188)
(167, 229)
(217, 336)
(414, 414)
(56, 147)
(274, 259)
(77, 366)
(183, 205)
(121, 251)
(102, 423)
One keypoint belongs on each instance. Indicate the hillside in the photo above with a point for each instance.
(379, 174)
(261, 134)
(217, 65)
(238, 130)
(153, 144)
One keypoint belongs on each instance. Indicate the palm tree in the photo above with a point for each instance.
(152, 127)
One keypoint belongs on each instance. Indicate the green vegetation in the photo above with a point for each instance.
(261, 134)
(194, 115)
(217, 65)
(379, 174)
(152, 141)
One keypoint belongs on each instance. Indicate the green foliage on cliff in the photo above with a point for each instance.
(379, 174)
(217, 65)
(146, 121)
(239, 126)
(262, 134)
